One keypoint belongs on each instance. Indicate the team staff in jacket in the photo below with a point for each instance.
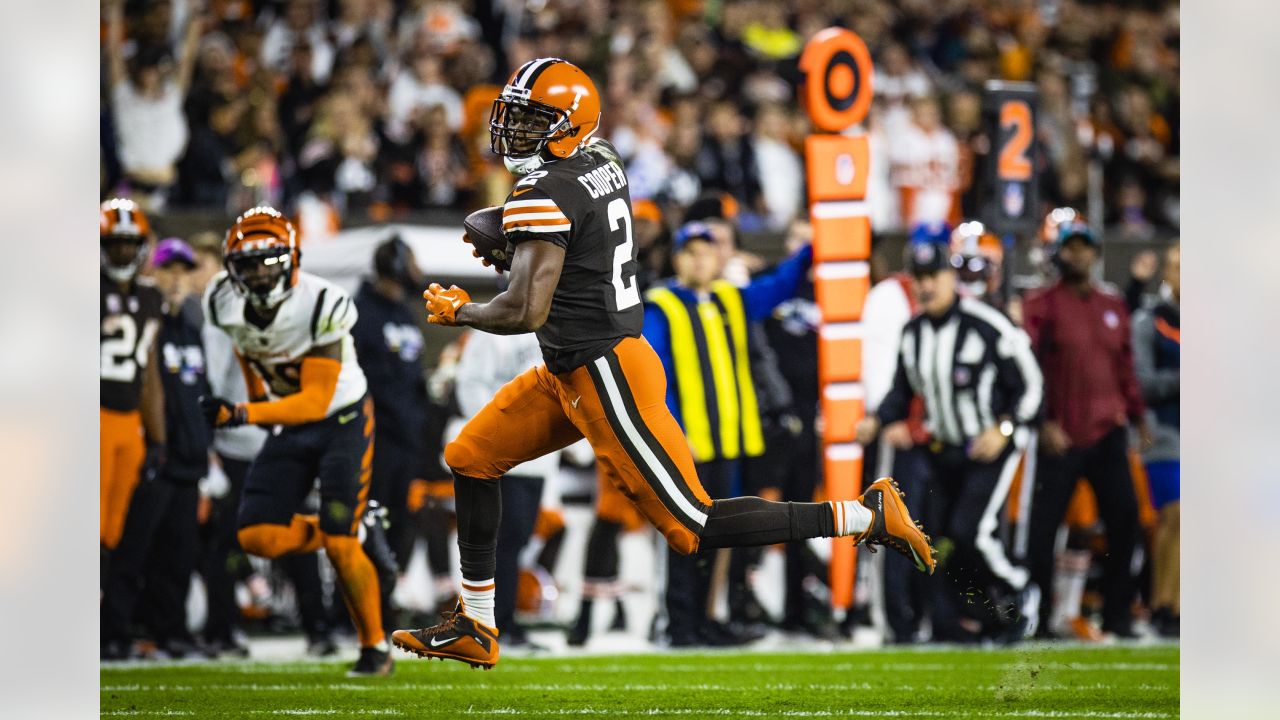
(1080, 333)
(981, 389)
(389, 347)
(698, 326)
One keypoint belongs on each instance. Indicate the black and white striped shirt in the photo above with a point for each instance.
(972, 366)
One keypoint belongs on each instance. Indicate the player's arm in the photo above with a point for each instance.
(115, 43)
(152, 400)
(254, 387)
(318, 380)
(190, 47)
(522, 308)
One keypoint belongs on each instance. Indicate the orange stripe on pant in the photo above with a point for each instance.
(619, 404)
(366, 466)
(122, 451)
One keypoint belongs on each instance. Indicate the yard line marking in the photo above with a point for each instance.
(725, 712)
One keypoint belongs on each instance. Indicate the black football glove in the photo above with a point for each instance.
(221, 413)
(153, 462)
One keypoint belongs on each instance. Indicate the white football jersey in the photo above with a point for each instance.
(316, 313)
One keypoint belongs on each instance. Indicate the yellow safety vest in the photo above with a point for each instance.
(735, 393)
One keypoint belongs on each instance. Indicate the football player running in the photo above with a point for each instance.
(572, 282)
(292, 334)
(131, 403)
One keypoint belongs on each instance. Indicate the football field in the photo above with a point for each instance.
(1028, 682)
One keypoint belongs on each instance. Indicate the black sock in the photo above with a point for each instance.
(479, 508)
(747, 521)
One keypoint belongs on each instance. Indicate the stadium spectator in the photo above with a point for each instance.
(925, 165)
(1080, 333)
(779, 167)
(301, 24)
(420, 85)
(147, 93)
(1157, 350)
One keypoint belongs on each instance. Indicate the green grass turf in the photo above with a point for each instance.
(1030, 682)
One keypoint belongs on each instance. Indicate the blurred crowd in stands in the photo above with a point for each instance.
(371, 108)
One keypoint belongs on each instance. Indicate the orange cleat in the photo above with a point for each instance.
(459, 637)
(892, 526)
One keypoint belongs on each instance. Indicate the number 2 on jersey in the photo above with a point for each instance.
(625, 292)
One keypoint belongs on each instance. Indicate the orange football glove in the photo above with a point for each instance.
(476, 254)
(443, 304)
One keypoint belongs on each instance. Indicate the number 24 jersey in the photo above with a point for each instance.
(130, 319)
(582, 204)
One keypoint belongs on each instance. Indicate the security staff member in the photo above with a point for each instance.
(981, 388)
(698, 326)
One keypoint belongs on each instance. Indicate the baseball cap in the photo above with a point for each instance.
(691, 231)
(937, 232)
(926, 258)
(1077, 228)
(171, 250)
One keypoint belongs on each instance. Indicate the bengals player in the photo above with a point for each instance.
(131, 404)
(292, 334)
(573, 283)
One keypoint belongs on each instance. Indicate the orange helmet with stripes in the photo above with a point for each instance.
(262, 256)
(978, 255)
(124, 235)
(547, 105)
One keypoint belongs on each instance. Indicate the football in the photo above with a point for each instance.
(484, 228)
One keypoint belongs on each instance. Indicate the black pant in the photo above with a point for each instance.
(905, 588)
(222, 561)
(968, 500)
(689, 576)
(521, 496)
(395, 463)
(156, 554)
(1106, 466)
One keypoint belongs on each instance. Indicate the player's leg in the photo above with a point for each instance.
(622, 410)
(122, 433)
(614, 514)
(345, 471)
(523, 421)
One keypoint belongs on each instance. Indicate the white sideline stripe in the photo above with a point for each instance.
(841, 270)
(646, 453)
(839, 209)
(844, 391)
(844, 451)
(537, 228)
(540, 202)
(549, 215)
(841, 331)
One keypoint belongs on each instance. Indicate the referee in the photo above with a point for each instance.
(981, 388)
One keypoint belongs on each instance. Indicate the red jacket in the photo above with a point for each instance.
(1085, 352)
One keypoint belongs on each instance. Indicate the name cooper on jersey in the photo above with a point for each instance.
(604, 180)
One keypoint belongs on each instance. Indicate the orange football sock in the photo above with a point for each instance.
(301, 535)
(359, 582)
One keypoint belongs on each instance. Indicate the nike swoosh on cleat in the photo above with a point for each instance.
(446, 641)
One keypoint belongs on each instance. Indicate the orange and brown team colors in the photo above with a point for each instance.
(572, 282)
(131, 404)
